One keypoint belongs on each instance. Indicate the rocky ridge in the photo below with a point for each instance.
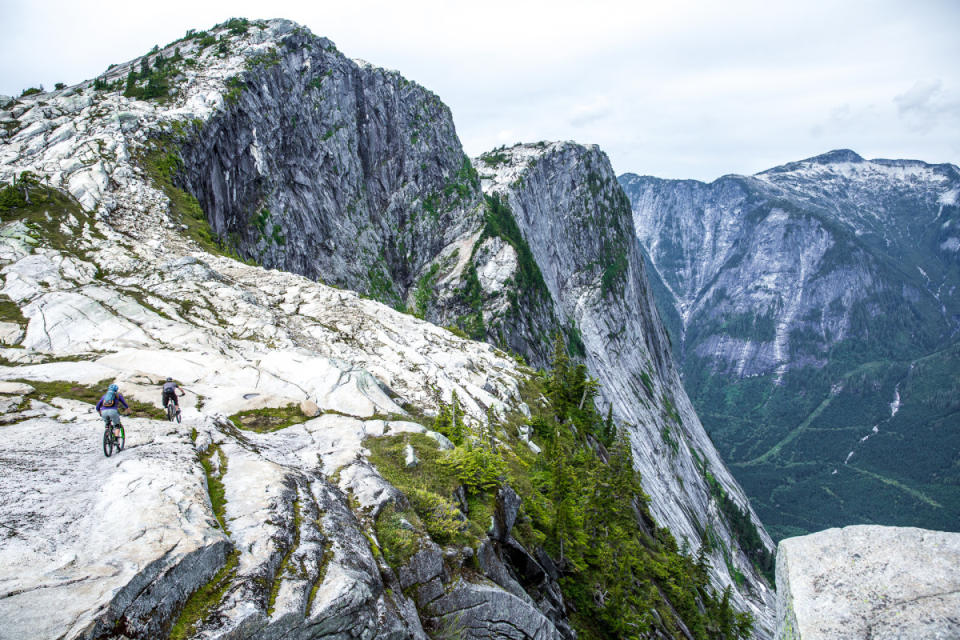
(123, 294)
(240, 339)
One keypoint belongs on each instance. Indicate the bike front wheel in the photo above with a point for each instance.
(107, 442)
(178, 416)
(119, 439)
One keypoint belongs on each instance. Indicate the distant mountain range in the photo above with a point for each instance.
(815, 314)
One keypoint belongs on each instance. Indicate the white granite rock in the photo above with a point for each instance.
(869, 582)
(15, 388)
(88, 539)
(410, 458)
(10, 333)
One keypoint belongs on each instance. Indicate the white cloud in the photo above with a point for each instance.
(927, 105)
(678, 89)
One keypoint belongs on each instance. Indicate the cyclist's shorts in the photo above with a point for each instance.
(170, 396)
(110, 415)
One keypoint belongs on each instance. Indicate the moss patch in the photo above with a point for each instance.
(10, 312)
(91, 394)
(203, 600)
(285, 562)
(397, 531)
(215, 488)
(269, 419)
(429, 487)
(321, 573)
(387, 455)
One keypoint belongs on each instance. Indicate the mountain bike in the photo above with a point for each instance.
(113, 438)
(173, 412)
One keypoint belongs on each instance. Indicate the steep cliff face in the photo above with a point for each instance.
(574, 217)
(344, 468)
(331, 168)
(804, 300)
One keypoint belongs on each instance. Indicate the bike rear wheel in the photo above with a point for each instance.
(171, 411)
(107, 442)
(119, 439)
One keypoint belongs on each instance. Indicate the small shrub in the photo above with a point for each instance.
(442, 519)
(477, 467)
(397, 533)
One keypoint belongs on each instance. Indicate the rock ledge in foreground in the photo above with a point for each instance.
(869, 582)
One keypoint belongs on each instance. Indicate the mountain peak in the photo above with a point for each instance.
(835, 156)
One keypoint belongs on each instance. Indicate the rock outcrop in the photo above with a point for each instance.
(869, 582)
(94, 545)
(331, 168)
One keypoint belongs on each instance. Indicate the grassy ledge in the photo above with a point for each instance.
(200, 603)
(51, 216)
(88, 393)
(269, 419)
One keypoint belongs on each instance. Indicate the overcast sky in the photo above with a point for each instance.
(667, 88)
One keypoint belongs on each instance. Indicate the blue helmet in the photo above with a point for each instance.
(113, 387)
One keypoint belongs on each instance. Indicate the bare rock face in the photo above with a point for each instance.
(333, 168)
(869, 582)
(89, 541)
(576, 227)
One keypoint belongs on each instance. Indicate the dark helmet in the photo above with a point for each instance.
(169, 379)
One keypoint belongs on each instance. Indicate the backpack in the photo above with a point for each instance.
(110, 399)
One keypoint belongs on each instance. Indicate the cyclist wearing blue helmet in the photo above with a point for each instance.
(109, 405)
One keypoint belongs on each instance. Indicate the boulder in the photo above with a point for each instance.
(425, 565)
(869, 582)
(474, 611)
(410, 458)
(309, 408)
(443, 442)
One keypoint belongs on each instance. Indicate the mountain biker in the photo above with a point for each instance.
(170, 389)
(109, 404)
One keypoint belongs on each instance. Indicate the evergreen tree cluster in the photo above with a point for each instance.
(582, 502)
(625, 576)
(152, 81)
